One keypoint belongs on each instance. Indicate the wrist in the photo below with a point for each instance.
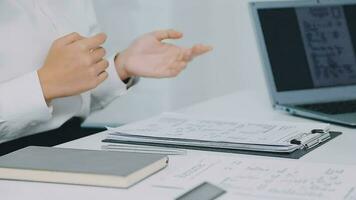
(45, 85)
(121, 67)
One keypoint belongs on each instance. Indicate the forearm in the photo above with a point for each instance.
(22, 106)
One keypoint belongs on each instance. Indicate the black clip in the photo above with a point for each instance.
(295, 141)
(317, 131)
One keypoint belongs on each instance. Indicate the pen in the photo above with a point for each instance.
(143, 149)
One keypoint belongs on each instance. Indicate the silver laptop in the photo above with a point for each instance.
(308, 53)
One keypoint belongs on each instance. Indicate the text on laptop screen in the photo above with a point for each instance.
(310, 47)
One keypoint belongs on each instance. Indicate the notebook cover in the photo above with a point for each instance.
(111, 163)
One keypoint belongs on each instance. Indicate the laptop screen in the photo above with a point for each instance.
(310, 47)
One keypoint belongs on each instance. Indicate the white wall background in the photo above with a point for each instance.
(226, 24)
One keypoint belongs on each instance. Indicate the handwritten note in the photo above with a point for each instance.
(264, 179)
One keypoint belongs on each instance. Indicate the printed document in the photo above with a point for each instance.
(247, 178)
(178, 126)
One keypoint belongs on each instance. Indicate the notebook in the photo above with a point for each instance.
(183, 130)
(84, 167)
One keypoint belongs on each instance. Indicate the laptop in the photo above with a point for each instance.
(308, 54)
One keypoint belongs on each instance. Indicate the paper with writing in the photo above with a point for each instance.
(171, 128)
(248, 178)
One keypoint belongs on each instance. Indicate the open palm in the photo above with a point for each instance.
(148, 56)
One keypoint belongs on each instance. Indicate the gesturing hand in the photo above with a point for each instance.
(73, 65)
(148, 56)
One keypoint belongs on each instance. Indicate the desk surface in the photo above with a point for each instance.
(241, 105)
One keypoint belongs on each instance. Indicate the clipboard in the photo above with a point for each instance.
(306, 147)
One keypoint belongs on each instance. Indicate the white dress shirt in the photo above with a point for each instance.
(27, 30)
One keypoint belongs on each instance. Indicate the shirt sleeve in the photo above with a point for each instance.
(113, 87)
(22, 105)
(109, 90)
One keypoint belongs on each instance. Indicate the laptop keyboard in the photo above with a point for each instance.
(332, 108)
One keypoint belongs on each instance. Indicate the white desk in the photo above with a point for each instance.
(246, 105)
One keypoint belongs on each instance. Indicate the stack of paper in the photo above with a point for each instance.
(178, 129)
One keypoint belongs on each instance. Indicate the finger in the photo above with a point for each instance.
(101, 66)
(180, 54)
(176, 69)
(92, 42)
(182, 65)
(188, 55)
(167, 34)
(179, 65)
(200, 49)
(97, 54)
(70, 38)
(102, 77)
(173, 72)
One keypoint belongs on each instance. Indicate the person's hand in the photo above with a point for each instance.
(73, 65)
(148, 56)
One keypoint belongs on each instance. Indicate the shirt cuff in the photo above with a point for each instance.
(132, 81)
(111, 88)
(23, 98)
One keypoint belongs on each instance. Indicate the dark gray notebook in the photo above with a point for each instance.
(85, 167)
